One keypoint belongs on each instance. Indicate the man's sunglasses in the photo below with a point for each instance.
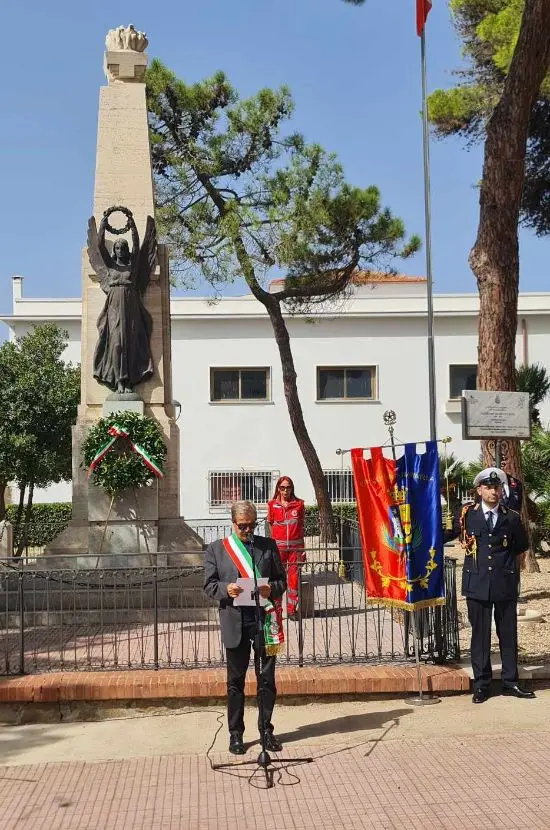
(247, 525)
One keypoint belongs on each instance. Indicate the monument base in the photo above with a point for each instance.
(177, 545)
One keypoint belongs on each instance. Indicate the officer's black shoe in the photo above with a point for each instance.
(236, 745)
(271, 743)
(517, 691)
(480, 696)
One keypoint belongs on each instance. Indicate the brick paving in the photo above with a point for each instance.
(438, 784)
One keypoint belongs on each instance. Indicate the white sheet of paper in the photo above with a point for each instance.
(247, 596)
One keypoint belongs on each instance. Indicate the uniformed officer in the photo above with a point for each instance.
(495, 544)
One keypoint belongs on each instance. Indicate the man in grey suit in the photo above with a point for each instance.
(238, 624)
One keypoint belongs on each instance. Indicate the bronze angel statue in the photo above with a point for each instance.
(122, 356)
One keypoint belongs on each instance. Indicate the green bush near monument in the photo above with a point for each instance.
(346, 511)
(45, 522)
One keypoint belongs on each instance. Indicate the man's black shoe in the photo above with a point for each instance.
(480, 696)
(236, 745)
(271, 743)
(517, 691)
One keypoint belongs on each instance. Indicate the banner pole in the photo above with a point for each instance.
(420, 699)
(427, 220)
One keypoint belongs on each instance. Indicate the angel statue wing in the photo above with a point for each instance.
(147, 257)
(95, 254)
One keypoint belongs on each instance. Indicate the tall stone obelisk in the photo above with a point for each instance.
(123, 176)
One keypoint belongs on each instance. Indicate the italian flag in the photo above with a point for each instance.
(422, 10)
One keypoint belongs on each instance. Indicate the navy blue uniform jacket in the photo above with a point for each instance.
(491, 566)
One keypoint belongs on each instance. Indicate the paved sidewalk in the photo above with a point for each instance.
(387, 766)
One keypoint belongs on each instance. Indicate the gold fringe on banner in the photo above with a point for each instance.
(406, 606)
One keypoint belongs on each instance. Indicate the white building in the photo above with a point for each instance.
(353, 363)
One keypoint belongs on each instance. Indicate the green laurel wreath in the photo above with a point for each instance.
(121, 468)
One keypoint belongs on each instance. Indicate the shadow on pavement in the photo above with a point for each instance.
(348, 723)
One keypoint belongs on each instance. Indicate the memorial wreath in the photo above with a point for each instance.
(124, 450)
(118, 209)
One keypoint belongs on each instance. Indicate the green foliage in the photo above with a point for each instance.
(45, 522)
(121, 468)
(536, 479)
(239, 196)
(456, 479)
(489, 31)
(40, 395)
(533, 379)
(343, 511)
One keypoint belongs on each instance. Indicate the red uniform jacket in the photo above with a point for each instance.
(287, 524)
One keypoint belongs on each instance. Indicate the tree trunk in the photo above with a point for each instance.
(494, 259)
(3, 486)
(326, 515)
(22, 544)
(280, 331)
(20, 508)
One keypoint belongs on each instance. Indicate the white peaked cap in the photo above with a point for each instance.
(491, 475)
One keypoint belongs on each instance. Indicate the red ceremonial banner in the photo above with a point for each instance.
(378, 511)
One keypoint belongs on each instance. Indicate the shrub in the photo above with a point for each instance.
(345, 511)
(46, 521)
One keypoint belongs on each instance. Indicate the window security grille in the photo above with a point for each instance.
(228, 486)
(340, 486)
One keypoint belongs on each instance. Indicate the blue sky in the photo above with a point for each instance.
(355, 76)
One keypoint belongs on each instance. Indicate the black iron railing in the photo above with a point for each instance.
(95, 617)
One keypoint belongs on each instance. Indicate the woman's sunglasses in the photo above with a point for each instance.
(247, 525)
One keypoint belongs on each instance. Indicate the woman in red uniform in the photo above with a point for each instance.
(285, 516)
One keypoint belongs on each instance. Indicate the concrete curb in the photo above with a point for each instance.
(527, 671)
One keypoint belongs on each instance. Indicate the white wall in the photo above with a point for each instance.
(232, 436)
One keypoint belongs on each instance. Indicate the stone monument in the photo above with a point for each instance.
(119, 280)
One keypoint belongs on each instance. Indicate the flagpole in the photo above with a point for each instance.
(428, 232)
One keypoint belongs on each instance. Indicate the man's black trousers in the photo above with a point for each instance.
(480, 614)
(237, 664)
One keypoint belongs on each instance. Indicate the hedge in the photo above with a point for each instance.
(344, 510)
(46, 521)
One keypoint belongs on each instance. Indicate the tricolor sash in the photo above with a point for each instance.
(273, 623)
(116, 431)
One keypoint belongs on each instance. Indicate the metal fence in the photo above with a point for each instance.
(99, 617)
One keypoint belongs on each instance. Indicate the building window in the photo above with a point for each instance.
(239, 384)
(340, 486)
(461, 377)
(346, 383)
(225, 487)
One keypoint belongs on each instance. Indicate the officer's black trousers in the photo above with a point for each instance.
(480, 614)
(237, 664)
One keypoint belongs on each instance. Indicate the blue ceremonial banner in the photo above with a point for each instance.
(418, 491)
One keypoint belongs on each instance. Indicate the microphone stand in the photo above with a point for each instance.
(264, 758)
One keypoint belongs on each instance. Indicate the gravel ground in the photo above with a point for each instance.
(533, 637)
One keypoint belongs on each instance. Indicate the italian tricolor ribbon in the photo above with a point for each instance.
(116, 431)
(273, 623)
